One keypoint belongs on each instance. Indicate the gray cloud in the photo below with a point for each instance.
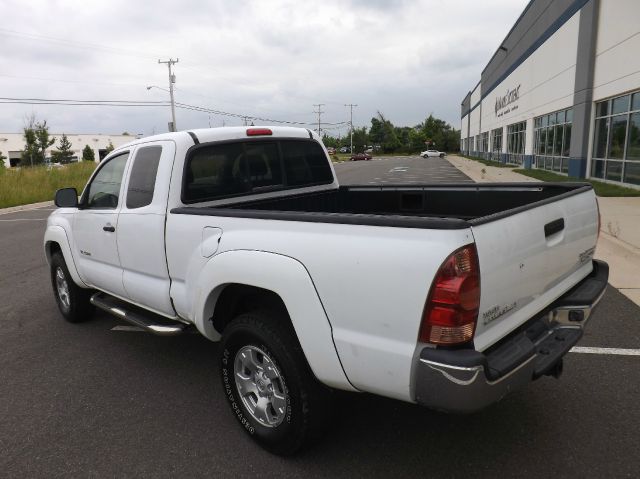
(271, 59)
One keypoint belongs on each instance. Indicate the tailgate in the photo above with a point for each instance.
(529, 259)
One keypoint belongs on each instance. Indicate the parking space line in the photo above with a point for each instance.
(27, 219)
(613, 351)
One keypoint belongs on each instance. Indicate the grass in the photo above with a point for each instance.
(497, 164)
(601, 188)
(33, 185)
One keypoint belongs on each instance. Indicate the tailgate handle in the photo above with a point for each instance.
(553, 227)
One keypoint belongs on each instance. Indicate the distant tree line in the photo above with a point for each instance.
(37, 140)
(388, 138)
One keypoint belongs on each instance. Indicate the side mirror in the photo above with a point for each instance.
(66, 198)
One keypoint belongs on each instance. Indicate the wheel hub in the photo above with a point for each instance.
(63, 288)
(260, 385)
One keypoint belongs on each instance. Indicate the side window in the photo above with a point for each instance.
(142, 180)
(104, 190)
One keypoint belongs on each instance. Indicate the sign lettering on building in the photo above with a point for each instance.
(504, 101)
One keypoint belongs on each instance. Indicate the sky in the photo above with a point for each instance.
(269, 59)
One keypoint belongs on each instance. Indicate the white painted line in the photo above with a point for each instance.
(614, 351)
(27, 219)
(130, 329)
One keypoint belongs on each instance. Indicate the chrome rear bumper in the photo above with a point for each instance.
(465, 380)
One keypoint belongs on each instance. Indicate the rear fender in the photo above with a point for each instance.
(290, 280)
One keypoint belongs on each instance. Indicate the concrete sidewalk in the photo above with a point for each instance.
(619, 242)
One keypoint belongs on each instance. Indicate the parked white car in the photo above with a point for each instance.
(429, 153)
(447, 296)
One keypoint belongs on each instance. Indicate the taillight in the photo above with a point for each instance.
(451, 311)
(259, 132)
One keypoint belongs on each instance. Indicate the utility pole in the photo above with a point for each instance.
(319, 113)
(172, 80)
(351, 105)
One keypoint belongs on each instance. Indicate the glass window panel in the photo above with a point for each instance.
(548, 163)
(600, 138)
(552, 119)
(597, 169)
(614, 170)
(617, 136)
(602, 108)
(566, 146)
(545, 120)
(632, 173)
(565, 165)
(633, 144)
(561, 116)
(557, 144)
(142, 180)
(543, 140)
(104, 190)
(569, 115)
(550, 141)
(620, 105)
(635, 102)
(556, 164)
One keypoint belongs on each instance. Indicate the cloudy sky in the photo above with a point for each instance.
(272, 59)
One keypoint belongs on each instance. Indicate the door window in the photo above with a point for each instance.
(104, 190)
(142, 180)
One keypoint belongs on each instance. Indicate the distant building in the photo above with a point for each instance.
(562, 92)
(12, 144)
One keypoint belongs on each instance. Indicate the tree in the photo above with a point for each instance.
(109, 148)
(126, 133)
(42, 138)
(383, 133)
(64, 153)
(31, 154)
(88, 154)
(2, 165)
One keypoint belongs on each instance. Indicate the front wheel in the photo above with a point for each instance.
(73, 301)
(268, 383)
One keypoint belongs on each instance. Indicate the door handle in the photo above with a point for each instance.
(109, 228)
(553, 227)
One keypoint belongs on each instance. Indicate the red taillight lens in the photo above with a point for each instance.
(451, 311)
(259, 132)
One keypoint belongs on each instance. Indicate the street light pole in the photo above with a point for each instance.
(172, 80)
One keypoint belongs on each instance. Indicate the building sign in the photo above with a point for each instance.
(503, 102)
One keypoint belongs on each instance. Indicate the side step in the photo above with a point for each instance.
(137, 316)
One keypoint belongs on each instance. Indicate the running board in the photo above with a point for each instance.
(137, 316)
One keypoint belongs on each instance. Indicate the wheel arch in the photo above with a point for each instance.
(55, 239)
(240, 280)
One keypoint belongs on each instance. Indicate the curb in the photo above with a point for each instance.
(31, 206)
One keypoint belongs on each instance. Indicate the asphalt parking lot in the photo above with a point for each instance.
(87, 400)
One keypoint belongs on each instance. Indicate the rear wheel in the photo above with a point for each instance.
(268, 383)
(73, 301)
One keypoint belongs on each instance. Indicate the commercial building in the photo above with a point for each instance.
(562, 92)
(12, 144)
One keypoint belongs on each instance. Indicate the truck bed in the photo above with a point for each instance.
(438, 206)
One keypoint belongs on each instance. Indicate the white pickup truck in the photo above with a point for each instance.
(444, 295)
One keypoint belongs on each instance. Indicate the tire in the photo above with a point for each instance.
(441, 155)
(73, 301)
(294, 404)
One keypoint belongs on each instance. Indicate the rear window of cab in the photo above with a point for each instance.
(222, 170)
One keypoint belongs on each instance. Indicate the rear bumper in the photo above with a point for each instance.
(467, 380)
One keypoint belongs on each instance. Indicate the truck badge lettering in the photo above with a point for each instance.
(496, 311)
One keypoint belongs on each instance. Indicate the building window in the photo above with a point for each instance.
(616, 140)
(496, 144)
(552, 140)
(516, 134)
(483, 143)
